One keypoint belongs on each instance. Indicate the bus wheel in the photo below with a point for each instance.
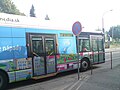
(85, 64)
(3, 81)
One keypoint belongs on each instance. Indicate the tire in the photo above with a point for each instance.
(3, 81)
(85, 65)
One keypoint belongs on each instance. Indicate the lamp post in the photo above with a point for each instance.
(103, 29)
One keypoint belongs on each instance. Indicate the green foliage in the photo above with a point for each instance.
(114, 32)
(114, 44)
(32, 10)
(98, 29)
(7, 6)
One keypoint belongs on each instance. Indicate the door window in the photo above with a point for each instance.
(94, 45)
(37, 45)
(100, 44)
(49, 46)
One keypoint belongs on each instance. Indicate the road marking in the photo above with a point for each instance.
(81, 81)
(61, 87)
(74, 85)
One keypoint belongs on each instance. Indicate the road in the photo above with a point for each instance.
(67, 80)
(115, 55)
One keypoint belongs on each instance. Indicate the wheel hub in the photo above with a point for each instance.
(84, 64)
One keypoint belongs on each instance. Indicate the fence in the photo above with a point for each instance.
(111, 58)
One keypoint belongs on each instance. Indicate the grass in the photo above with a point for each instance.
(114, 45)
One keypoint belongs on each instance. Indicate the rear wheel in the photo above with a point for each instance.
(3, 81)
(85, 64)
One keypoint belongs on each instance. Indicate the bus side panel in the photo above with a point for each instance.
(42, 31)
(20, 50)
(67, 46)
(5, 31)
(13, 54)
(67, 58)
(19, 43)
(20, 75)
(6, 51)
(17, 69)
(5, 43)
(12, 43)
(13, 48)
(18, 32)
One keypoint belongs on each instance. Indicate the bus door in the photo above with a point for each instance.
(98, 48)
(43, 50)
(101, 49)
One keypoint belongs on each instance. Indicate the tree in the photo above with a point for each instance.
(47, 18)
(98, 29)
(114, 32)
(7, 6)
(32, 11)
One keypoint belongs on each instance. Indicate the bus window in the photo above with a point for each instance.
(80, 45)
(84, 45)
(94, 45)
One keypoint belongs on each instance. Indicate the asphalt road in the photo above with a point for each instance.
(104, 79)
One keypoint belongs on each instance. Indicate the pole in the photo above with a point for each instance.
(103, 23)
(103, 28)
(91, 68)
(91, 64)
(111, 59)
(78, 55)
(112, 34)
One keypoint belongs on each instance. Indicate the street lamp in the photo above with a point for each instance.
(103, 23)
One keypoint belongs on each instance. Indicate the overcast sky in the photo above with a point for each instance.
(88, 12)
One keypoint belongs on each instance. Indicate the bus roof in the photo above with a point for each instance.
(10, 20)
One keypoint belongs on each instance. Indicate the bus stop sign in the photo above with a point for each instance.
(77, 28)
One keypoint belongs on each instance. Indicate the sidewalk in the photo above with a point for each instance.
(103, 80)
(112, 49)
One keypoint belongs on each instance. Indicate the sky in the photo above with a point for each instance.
(63, 13)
